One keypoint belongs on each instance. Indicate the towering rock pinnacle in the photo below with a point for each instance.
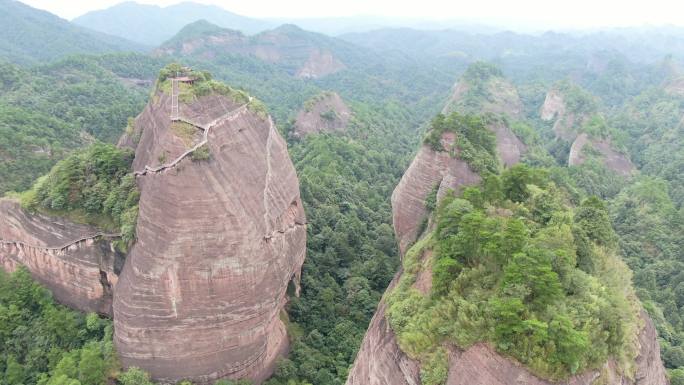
(220, 236)
(380, 360)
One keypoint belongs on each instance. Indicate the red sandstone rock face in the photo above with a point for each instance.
(218, 242)
(612, 159)
(508, 146)
(70, 259)
(314, 119)
(430, 168)
(380, 361)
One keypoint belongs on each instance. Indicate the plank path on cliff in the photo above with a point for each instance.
(205, 138)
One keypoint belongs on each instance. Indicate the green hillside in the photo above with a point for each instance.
(29, 36)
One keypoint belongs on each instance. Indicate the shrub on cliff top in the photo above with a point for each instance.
(475, 143)
(94, 186)
(508, 267)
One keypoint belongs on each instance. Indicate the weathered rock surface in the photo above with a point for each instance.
(481, 365)
(324, 113)
(611, 158)
(74, 261)
(508, 146)
(501, 100)
(219, 241)
(428, 170)
(380, 361)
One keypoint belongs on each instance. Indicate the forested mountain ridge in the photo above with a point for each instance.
(50, 110)
(151, 25)
(347, 176)
(31, 36)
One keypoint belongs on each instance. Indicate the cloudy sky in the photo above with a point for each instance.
(542, 13)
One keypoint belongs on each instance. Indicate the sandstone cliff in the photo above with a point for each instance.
(219, 238)
(493, 95)
(568, 125)
(326, 112)
(611, 158)
(380, 361)
(76, 262)
(428, 170)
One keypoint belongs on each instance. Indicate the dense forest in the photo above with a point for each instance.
(582, 230)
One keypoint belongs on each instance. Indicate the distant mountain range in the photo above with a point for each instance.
(29, 35)
(152, 25)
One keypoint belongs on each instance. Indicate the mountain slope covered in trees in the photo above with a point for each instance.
(30, 36)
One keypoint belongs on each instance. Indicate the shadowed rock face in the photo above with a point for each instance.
(429, 168)
(70, 259)
(380, 361)
(219, 241)
(327, 113)
(612, 159)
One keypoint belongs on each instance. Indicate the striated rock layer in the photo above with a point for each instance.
(219, 241)
(428, 170)
(76, 262)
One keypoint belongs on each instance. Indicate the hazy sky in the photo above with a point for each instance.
(544, 13)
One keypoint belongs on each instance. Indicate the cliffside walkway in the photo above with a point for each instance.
(205, 138)
(63, 246)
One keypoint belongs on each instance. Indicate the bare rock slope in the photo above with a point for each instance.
(326, 112)
(76, 262)
(567, 125)
(219, 240)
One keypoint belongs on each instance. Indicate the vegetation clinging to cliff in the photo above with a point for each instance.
(475, 143)
(512, 264)
(95, 186)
